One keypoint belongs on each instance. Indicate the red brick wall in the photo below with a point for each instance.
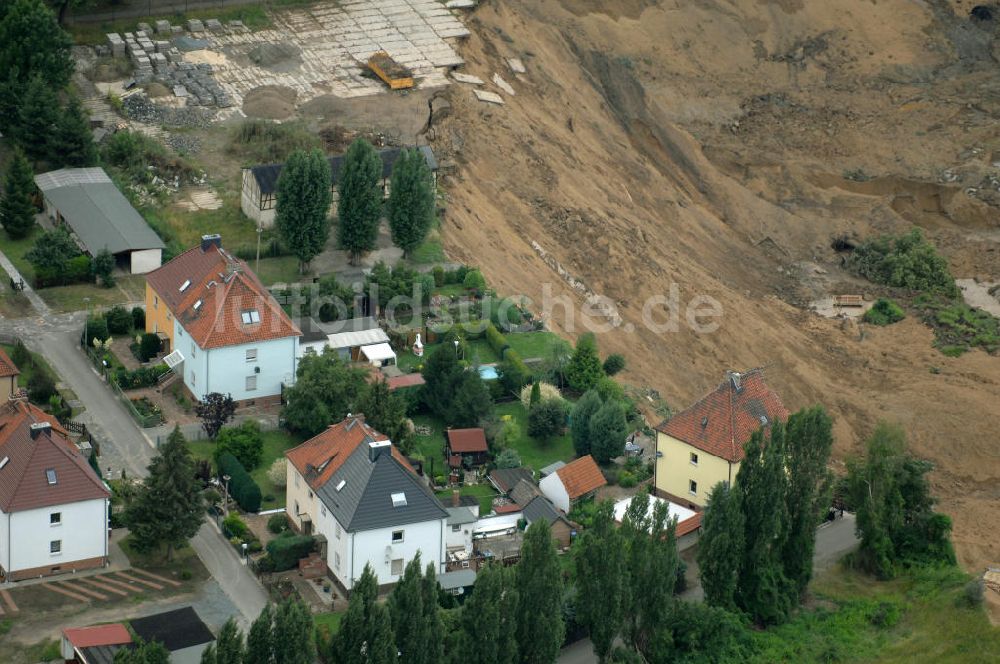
(64, 568)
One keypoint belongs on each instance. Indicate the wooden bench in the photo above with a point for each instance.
(848, 301)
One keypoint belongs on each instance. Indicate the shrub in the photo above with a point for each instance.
(626, 480)
(614, 363)
(254, 546)
(211, 496)
(149, 346)
(233, 526)
(277, 473)
(285, 552)
(496, 340)
(514, 373)
(278, 523)
(243, 442)
(438, 273)
(96, 328)
(548, 392)
(904, 261)
(547, 419)
(119, 320)
(508, 458)
(41, 387)
(141, 377)
(959, 327)
(242, 488)
(138, 318)
(21, 355)
(972, 594)
(884, 312)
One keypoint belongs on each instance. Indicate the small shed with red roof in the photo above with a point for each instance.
(469, 444)
(581, 478)
(94, 645)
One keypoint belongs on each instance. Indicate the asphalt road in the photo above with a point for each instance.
(123, 444)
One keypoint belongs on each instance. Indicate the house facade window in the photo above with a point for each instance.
(55, 518)
(397, 537)
(455, 529)
(338, 531)
(296, 479)
(396, 568)
(251, 383)
(692, 487)
(156, 302)
(694, 459)
(322, 510)
(297, 512)
(55, 547)
(251, 354)
(336, 560)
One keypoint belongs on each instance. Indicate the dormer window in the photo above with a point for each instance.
(197, 305)
(399, 500)
(50, 475)
(184, 286)
(250, 317)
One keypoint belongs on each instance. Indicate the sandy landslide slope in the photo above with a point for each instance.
(703, 144)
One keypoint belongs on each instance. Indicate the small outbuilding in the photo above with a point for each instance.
(94, 645)
(470, 444)
(181, 632)
(87, 202)
(578, 479)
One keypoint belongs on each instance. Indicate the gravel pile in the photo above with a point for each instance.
(183, 144)
(139, 107)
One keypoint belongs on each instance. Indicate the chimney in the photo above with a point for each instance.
(455, 499)
(210, 240)
(377, 448)
(734, 379)
(39, 428)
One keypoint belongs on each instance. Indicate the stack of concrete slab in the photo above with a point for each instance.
(116, 44)
(163, 27)
(213, 24)
(194, 25)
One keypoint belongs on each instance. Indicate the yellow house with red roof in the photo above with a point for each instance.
(225, 331)
(703, 445)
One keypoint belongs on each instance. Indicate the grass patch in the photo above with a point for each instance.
(916, 618)
(430, 252)
(238, 232)
(37, 364)
(450, 290)
(534, 453)
(533, 344)
(16, 249)
(254, 17)
(477, 350)
(256, 141)
(958, 327)
(126, 290)
(484, 492)
(43, 651)
(282, 269)
(884, 312)
(184, 567)
(330, 622)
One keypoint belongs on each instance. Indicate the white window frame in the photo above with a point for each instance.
(251, 383)
(55, 519)
(396, 564)
(693, 491)
(456, 528)
(339, 530)
(693, 458)
(251, 354)
(55, 547)
(402, 536)
(336, 560)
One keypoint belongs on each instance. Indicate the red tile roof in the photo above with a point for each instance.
(723, 420)
(689, 525)
(509, 508)
(406, 380)
(581, 476)
(223, 287)
(24, 483)
(455, 461)
(466, 441)
(318, 458)
(98, 635)
(7, 366)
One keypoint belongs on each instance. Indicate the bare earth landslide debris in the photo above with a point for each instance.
(722, 148)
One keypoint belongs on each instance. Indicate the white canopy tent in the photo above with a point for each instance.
(379, 355)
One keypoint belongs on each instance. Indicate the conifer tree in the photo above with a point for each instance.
(484, 641)
(597, 557)
(539, 597)
(410, 624)
(73, 141)
(579, 424)
(411, 201)
(608, 428)
(359, 206)
(303, 206)
(228, 647)
(33, 44)
(169, 508)
(17, 212)
(720, 547)
(585, 368)
(433, 628)
(360, 632)
(260, 642)
(293, 634)
(382, 643)
(37, 120)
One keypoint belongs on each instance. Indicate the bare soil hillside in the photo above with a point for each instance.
(706, 144)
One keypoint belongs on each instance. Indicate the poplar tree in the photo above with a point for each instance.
(17, 212)
(720, 547)
(539, 591)
(362, 630)
(303, 205)
(169, 508)
(260, 642)
(359, 206)
(411, 201)
(293, 634)
(809, 440)
(597, 559)
(433, 628)
(228, 647)
(484, 638)
(73, 141)
(382, 643)
(762, 589)
(409, 613)
(660, 580)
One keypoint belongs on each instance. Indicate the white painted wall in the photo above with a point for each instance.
(460, 539)
(376, 547)
(25, 536)
(145, 260)
(553, 489)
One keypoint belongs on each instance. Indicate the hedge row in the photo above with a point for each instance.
(242, 488)
(78, 270)
(141, 377)
(286, 551)
(496, 340)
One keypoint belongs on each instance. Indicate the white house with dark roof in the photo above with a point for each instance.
(351, 485)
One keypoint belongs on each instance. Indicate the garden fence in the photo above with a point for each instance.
(144, 421)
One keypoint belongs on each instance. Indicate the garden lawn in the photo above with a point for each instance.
(127, 290)
(15, 250)
(38, 364)
(476, 350)
(534, 453)
(532, 344)
(484, 492)
(278, 270)
(330, 622)
(431, 251)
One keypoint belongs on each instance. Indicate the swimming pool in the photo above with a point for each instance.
(488, 372)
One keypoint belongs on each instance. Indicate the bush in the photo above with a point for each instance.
(959, 327)
(119, 320)
(514, 373)
(496, 340)
(242, 488)
(277, 473)
(96, 328)
(149, 346)
(141, 377)
(138, 318)
(614, 364)
(21, 355)
(547, 419)
(233, 526)
(904, 261)
(41, 387)
(549, 393)
(474, 280)
(285, 552)
(243, 442)
(438, 273)
(278, 523)
(884, 312)
(972, 594)
(626, 480)
(254, 546)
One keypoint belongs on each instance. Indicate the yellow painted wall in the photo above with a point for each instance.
(158, 316)
(674, 469)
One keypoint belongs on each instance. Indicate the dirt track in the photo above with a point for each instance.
(705, 144)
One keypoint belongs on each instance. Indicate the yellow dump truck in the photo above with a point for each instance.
(395, 75)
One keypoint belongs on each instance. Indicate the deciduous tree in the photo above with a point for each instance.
(362, 630)
(608, 428)
(144, 652)
(359, 206)
(244, 442)
(293, 634)
(17, 211)
(32, 43)
(214, 410)
(260, 640)
(303, 206)
(104, 268)
(326, 389)
(228, 647)
(411, 201)
(169, 508)
(386, 412)
(484, 639)
(597, 557)
(720, 547)
(547, 419)
(539, 590)
(579, 425)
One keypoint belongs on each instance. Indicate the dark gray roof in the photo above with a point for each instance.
(462, 578)
(311, 331)
(458, 516)
(267, 175)
(96, 211)
(524, 492)
(103, 654)
(176, 630)
(463, 501)
(540, 508)
(506, 479)
(551, 468)
(364, 502)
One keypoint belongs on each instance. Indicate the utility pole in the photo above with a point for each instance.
(260, 231)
